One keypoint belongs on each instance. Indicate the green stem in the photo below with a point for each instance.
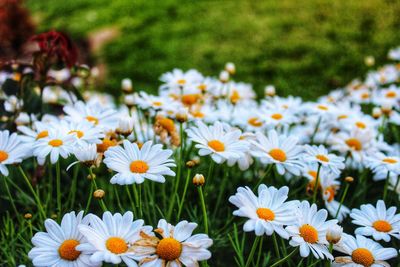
(342, 199)
(184, 194)
(316, 130)
(285, 258)
(316, 183)
(252, 251)
(278, 254)
(102, 204)
(386, 186)
(267, 171)
(128, 192)
(203, 207)
(10, 198)
(39, 203)
(58, 185)
(73, 186)
(89, 198)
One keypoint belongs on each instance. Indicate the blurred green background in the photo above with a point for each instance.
(302, 47)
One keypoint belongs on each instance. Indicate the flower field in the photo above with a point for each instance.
(203, 173)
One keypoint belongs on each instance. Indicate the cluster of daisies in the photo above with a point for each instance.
(91, 241)
(222, 122)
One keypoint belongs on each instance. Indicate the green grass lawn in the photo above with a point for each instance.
(303, 47)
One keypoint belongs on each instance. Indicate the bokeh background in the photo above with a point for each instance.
(302, 47)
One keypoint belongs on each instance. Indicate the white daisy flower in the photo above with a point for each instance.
(378, 222)
(87, 154)
(111, 237)
(363, 252)
(320, 155)
(134, 165)
(177, 79)
(309, 231)
(279, 150)
(12, 150)
(84, 131)
(214, 140)
(39, 130)
(380, 163)
(267, 213)
(58, 246)
(57, 143)
(177, 246)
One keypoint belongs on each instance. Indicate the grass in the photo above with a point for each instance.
(303, 47)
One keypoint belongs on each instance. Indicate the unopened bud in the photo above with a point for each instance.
(125, 126)
(190, 164)
(269, 90)
(126, 85)
(129, 100)
(196, 160)
(99, 194)
(224, 76)
(91, 176)
(387, 108)
(28, 216)
(182, 116)
(369, 61)
(349, 179)
(199, 180)
(376, 112)
(230, 67)
(334, 234)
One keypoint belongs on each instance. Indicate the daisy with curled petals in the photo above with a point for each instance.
(175, 247)
(363, 252)
(279, 150)
(267, 213)
(57, 143)
(378, 222)
(59, 245)
(134, 165)
(320, 155)
(214, 140)
(110, 238)
(12, 150)
(309, 231)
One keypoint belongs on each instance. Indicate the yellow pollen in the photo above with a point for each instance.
(181, 82)
(391, 94)
(278, 154)
(235, 97)
(322, 107)
(101, 148)
(309, 233)
(365, 96)
(169, 249)
(363, 257)
(190, 99)
(67, 250)
(157, 103)
(139, 166)
(265, 214)
(167, 124)
(322, 158)
(361, 125)
(78, 133)
(382, 226)
(116, 245)
(389, 160)
(3, 155)
(216, 145)
(341, 117)
(354, 144)
(277, 116)
(92, 119)
(42, 134)
(255, 122)
(55, 142)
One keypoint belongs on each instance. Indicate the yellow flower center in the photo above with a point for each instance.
(202, 87)
(167, 124)
(331, 192)
(181, 82)
(361, 125)
(255, 122)
(190, 99)
(277, 116)
(3, 155)
(278, 154)
(78, 133)
(309, 233)
(105, 144)
(55, 142)
(265, 214)
(198, 114)
(67, 250)
(157, 103)
(93, 120)
(354, 143)
(382, 226)
(365, 96)
(322, 158)
(362, 256)
(169, 249)
(322, 107)
(389, 160)
(313, 173)
(341, 117)
(42, 134)
(116, 245)
(391, 94)
(216, 145)
(235, 97)
(139, 166)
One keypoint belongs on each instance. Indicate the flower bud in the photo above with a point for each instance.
(369, 61)
(28, 216)
(182, 115)
(224, 76)
(387, 108)
(126, 85)
(269, 90)
(129, 100)
(190, 164)
(99, 194)
(376, 112)
(53, 216)
(349, 179)
(125, 126)
(230, 68)
(334, 234)
(199, 180)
